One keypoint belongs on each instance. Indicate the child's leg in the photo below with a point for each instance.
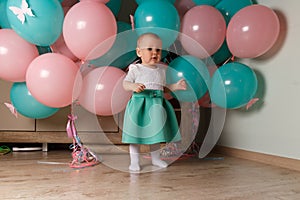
(155, 155)
(134, 150)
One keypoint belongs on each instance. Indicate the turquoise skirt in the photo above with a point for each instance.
(149, 119)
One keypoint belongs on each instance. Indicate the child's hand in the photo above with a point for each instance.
(138, 87)
(181, 85)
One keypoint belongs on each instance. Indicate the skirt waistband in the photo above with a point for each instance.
(149, 94)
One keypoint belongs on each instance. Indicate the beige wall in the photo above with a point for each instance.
(273, 125)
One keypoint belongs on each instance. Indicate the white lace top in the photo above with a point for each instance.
(153, 79)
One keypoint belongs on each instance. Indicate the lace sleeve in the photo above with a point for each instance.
(131, 75)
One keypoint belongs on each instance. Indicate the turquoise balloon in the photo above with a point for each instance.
(44, 27)
(141, 1)
(194, 72)
(206, 2)
(26, 104)
(222, 54)
(114, 6)
(159, 17)
(233, 85)
(122, 53)
(229, 7)
(4, 23)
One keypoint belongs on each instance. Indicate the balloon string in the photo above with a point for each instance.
(229, 59)
(175, 49)
(71, 130)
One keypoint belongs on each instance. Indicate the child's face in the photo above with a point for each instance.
(150, 51)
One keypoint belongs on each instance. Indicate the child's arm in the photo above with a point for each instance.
(180, 85)
(136, 87)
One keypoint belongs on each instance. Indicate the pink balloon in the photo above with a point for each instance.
(88, 24)
(202, 25)
(54, 80)
(60, 46)
(15, 56)
(252, 31)
(205, 101)
(102, 91)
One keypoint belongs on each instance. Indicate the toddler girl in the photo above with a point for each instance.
(149, 118)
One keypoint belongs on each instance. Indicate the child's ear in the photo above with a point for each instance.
(138, 52)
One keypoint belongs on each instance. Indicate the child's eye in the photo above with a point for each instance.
(149, 49)
(157, 50)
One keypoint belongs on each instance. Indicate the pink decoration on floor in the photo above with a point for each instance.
(82, 156)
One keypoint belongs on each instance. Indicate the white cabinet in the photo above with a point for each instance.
(53, 128)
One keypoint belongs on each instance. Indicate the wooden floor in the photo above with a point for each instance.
(46, 175)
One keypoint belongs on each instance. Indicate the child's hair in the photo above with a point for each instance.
(143, 36)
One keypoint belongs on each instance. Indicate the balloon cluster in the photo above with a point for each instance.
(220, 30)
(59, 52)
(42, 46)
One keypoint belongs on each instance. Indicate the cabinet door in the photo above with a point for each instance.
(93, 129)
(8, 122)
(89, 122)
(85, 122)
(56, 122)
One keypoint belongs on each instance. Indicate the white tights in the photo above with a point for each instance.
(134, 150)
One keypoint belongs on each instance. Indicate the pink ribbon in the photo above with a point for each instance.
(12, 109)
(132, 21)
(251, 102)
(71, 129)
